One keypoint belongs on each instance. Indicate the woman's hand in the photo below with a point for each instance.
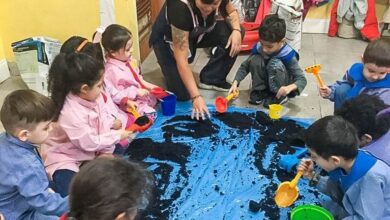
(234, 42)
(199, 108)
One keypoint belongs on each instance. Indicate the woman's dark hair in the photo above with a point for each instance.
(332, 136)
(115, 37)
(92, 49)
(272, 28)
(222, 6)
(362, 112)
(105, 188)
(68, 72)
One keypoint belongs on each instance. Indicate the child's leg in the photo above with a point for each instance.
(259, 76)
(277, 75)
(62, 179)
(340, 94)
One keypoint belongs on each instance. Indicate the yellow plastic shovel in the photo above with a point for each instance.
(287, 192)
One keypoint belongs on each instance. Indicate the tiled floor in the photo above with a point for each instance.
(334, 54)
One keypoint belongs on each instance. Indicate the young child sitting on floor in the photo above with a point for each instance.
(25, 194)
(371, 117)
(122, 79)
(370, 77)
(86, 128)
(357, 180)
(276, 74)
(109, 189)
(82, 45)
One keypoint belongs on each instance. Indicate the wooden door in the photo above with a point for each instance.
(147, 11)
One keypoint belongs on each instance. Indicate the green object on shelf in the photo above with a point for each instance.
(311, 212)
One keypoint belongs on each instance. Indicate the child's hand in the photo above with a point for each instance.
(325, 92)
(234, 88)
(306, 166)
(283, 92)
(132, 104)
(125, 134)
(117, 124)
(142, 92)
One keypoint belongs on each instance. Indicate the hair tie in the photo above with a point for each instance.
(383, 112)
(81, 46)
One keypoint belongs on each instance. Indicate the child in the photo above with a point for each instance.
(368, 115)
(127, 187)
(85, 129)
(122, 79)
(357, 181)
(26, 116)
(82, 45)
(274, 66)
(370, 77)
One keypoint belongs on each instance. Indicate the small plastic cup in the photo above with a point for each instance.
(168, 105)
(310, 212)
(275, 111)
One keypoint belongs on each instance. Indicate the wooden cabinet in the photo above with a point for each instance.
(147, 11)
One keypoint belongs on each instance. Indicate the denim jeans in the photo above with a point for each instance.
(62, 179)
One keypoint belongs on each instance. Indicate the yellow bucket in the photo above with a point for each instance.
(275, 111)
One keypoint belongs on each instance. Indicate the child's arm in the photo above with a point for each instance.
(242, 72)
(32, 184)
(118, 92)
(81, 134)
(148, 85)
(329, 92)
(368, 199)
(324, 184)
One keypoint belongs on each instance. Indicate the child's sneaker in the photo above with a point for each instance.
(273, 100)
(222, 87)
(257, 97)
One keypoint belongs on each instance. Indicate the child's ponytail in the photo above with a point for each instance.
(69, 72)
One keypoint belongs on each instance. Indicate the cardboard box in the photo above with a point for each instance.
(33, 57)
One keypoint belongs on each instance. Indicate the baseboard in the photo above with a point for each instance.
(315, 26)
(4, 71)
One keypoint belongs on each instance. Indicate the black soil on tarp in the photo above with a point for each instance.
(184, 126)
(143, 148)
(284, 133)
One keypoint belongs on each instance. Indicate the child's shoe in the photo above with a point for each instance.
(257, 97)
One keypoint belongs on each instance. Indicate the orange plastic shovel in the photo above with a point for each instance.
(141, 124)
(221, 103)
(315, 70)
(287, 192)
